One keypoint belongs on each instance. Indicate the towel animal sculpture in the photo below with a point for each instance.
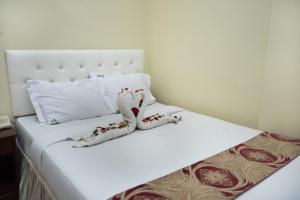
(132, 107)
(151, 121)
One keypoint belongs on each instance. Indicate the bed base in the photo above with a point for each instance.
(32, 185)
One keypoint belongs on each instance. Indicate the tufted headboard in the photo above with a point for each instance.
(63, 65)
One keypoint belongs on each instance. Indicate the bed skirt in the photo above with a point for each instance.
(32, 185)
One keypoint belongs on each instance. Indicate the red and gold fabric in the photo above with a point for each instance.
(223, 176)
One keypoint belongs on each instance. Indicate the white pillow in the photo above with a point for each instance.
(134, 81)
(65, 101)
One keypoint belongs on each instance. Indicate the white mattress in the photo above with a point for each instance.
(29, 129)
(106, 169)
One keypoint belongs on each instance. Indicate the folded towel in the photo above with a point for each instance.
(132, 106)
(150, 121)
(126, 100)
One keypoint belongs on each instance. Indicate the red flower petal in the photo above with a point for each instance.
(135, 111)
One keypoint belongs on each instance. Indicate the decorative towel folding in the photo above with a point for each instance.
(132, 106)
(151, 121)
(125, 101)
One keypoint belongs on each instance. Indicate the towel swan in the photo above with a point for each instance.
(132, 106)
(125, 102)
(150, 121)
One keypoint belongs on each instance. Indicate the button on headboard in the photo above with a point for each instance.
(63, 65)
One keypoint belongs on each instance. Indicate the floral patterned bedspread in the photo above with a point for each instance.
(222, 176)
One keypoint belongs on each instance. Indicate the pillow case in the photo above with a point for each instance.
(134, 81)
(65, 101)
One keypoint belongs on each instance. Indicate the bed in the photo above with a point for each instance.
(53, 169)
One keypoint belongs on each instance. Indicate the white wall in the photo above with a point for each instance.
(68, 24)
(209, 55)
(280, 110)
(237, 60)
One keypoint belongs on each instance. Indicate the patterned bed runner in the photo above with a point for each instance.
(223, 176)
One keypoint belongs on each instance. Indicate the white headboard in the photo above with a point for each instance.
(63, 65)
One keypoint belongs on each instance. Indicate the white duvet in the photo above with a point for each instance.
(104, 170)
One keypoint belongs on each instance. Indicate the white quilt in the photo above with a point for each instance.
(104, 170)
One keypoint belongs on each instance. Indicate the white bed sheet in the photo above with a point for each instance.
(101, 171)
(28, 129)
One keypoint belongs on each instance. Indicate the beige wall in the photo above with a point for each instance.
(68, 24)
(237, 60)
(280, 111)
(208, 56)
